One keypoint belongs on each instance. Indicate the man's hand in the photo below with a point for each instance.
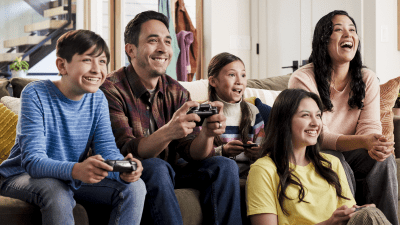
(134, 175)
(215, 124)
(182, 124)
(379, 148)
(92, 170)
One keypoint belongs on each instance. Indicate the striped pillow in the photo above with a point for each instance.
(8, 125)
(389, 93)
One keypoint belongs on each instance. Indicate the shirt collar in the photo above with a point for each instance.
(137, 86)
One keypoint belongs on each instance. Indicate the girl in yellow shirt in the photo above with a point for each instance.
(293, 183)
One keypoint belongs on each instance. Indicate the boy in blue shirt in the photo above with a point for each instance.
(58, 123)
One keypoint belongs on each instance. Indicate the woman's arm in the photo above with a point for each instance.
(264, 219)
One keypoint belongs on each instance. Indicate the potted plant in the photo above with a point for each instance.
(19, 67)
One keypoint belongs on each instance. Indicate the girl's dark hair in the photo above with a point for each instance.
(323, 64)
(278, 145)
(214, 68)
(78, 42)
(133, 28)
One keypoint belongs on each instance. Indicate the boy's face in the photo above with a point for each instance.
(84, 74)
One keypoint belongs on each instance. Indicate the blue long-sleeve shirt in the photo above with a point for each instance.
(54, 133)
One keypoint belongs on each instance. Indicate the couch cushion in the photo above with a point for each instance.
(8, 125)
(198, 89)
(278, 83)
(266, 96)
(18, 84)
(264, 110)
(3, 87)
(14, 211)
(389, 93)
(11, 103)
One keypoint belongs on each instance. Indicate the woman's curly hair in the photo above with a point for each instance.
(323, 64)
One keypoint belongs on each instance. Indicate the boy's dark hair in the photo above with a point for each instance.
(78, 42)
(133, 28)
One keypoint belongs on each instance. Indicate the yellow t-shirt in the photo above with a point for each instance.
(263, 181)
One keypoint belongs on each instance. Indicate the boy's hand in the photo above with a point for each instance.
(92, 170)
(134, 175)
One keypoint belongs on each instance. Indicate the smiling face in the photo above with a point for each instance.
(154, 51)
(306, 124)
(84, 74)
(343, 43)
(231, 82)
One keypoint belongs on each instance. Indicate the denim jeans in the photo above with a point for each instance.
(376, 182)
(217, 179)
(56, 199)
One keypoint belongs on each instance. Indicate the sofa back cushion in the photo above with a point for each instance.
(278, 83)
(3, 87)
(18, 84)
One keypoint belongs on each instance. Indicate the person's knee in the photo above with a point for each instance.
(56, 193)
(226, 166)
(369, 216)
(157, 172)
(136, 190)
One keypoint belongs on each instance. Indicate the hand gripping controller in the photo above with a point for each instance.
(122, 165)
(204, 111)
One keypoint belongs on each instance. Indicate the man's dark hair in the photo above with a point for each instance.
(78, 42)
(133, 28)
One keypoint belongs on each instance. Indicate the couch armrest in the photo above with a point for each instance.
(396, 132)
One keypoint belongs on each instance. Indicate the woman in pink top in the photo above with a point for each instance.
(351, 125)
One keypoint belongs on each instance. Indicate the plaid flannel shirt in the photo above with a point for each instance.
(129, 107)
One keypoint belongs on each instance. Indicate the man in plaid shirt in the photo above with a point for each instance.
(148, 117)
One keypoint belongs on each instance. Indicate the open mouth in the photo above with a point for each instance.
(346, 44)
(161, 60)
(237, 90)
(92, 79)
(312, 132)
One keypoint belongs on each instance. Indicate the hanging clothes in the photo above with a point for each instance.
(183, 22)
(185, 39)
(165, 8)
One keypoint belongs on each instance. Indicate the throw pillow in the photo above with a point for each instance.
(8, 125)
(3, 87)
(264, 110)
(266, 96)
(389, 93)
(18, 84)
(12, 103)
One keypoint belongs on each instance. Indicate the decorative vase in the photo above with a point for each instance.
(19, 73)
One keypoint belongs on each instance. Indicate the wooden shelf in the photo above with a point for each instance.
(58, 11)
(46, 25)
(28, 40)
(9, 57)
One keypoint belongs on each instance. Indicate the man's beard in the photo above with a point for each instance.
(155, 73)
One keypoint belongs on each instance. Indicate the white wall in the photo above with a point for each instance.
(226, 29)
(387, 56)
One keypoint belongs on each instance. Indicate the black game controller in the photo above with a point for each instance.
(249, 145)
(122, 165)
(204, 111)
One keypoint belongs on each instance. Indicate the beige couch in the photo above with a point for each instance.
(14, 211)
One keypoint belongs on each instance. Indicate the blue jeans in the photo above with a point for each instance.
(217, 179)
(56, 199)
